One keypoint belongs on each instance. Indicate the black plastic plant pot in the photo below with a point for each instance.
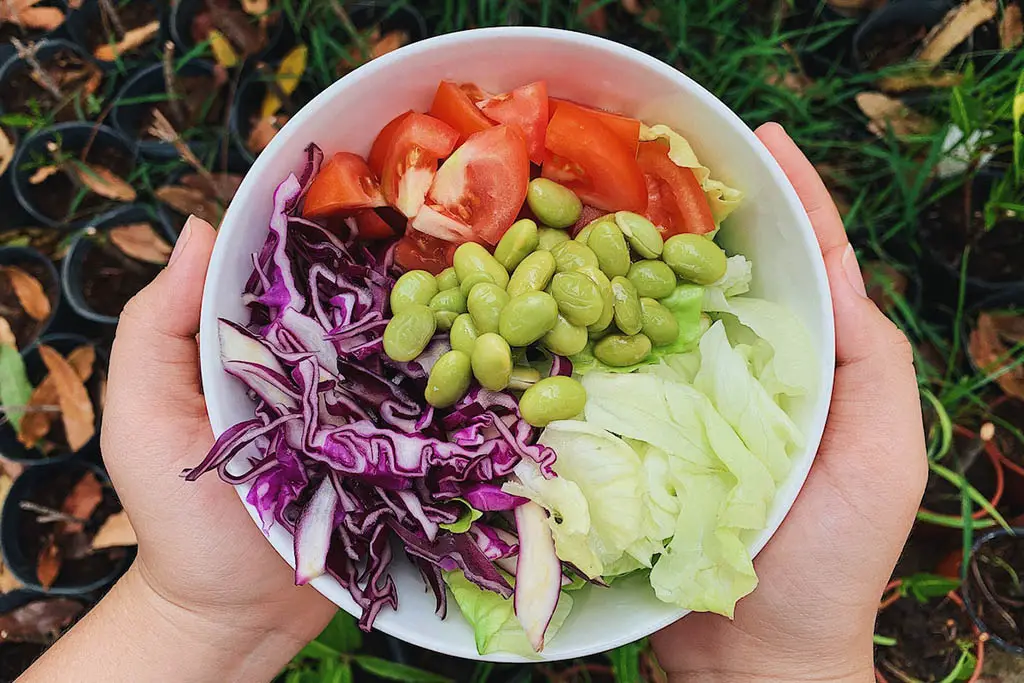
(18, 88)
(174, 217)
(13, 449)
(10, 30)
(88, 27)
(390, 16)
(891, 34)
(22, 534)
(19, 650)
(991, 589)
(246, 112)
(146, 91)
(12, 215)
(26, 329)
(190, 22)
(98, 279)
(57, 201)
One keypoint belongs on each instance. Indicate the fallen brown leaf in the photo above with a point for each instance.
(6, 151)
(102, 181)
(884, 283)
(263, 132)
(29, 291)
(188, 200)
(991, 354)
(37, 18)
(37, 424)
(8, 582)
(223, 185)
(85, 496)
(256, 7)
(141, 242)
(117, 531)
(48, 564)
(391, 41)
(632, 6)
(920, 79)
(1009, 326)
(40, 621)
(593, 16)
(132, 39)
(887, 112)
(75, 407)
(956, 26)
(42, 174)
(1011, 30)
(7, 334)
(240, 30)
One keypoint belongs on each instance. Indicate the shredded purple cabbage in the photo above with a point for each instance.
(346, 453)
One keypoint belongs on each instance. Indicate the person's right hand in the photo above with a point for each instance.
(822, 574)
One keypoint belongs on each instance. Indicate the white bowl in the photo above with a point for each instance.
(771, 228)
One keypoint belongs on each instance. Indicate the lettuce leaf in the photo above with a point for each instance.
(736, 280)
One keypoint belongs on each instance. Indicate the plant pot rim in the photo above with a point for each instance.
(77, 34)
(46, 44)
(35, 255)
(901, 9)
(186, 44)
(979, 624)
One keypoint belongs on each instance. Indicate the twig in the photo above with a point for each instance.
(48, 515)
(29, 409)
(44, 79)
(990, 596)
(171, 84)
(163, 130)
(110, 13)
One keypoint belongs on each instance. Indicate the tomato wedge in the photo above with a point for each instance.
(344, 184)
(416, 251)
(479, 189)
(417, 143)
(453, 106)
(370, 226)
(623, 127)
(593, 162)
(525, 108)
(675, 201)
(379, 150)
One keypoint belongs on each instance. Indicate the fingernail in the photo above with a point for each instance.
(179, 246)
(852, 270)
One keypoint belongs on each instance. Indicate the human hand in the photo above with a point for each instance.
(822, 574)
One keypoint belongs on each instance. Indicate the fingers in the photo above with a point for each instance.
(817, 201)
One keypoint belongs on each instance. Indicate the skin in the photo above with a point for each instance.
(208, 599)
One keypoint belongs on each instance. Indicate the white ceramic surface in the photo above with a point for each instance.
(771, 228)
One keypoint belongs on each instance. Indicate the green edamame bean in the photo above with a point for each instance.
(652, 278)
(549, 237)
(447, 279)
(553, 204)
(620, 350)
(552, 398)
(579, 298)
(584, 234)
(571, 255)
(533, 274)
(470, 257)
(695, 258)
(492, 361)
(516, 244)
(628, 316)
(467, 285)
(409, 332)
(640, 233)
(527, 318)
(445, 319)
(660, 326)
(485, 304)
(604, 285)
(609, 246)
(414, 287)
(449, 379)
(463, 335)
(523, 377)
(564, 338)
(449, 300)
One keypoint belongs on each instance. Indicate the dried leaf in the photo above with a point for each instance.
(920, 79)
(29, 291)
(1011, 30)
(48, 564)
(6, 151)
(223, 186)
(223, 52)
(75, 407)
(140, 241)
(256, 7)
(102, 181)
(36, 424)
(884, 283)
(632, 6)
(289, 73)
(886, 112)
(263, 132)
(7, 334)
(988, 352)
(132, 39)
(956, 26)
(239, 29)
(1009, 327)
(40, 621)
(592, 15)
(391, 41)
(189, 200)
(8, 582)
(42, 174)
(37, 18)
(117, 531)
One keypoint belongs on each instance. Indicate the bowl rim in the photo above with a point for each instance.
(406, 630)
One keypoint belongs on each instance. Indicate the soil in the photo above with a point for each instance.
(926, 638)
(78, 565)
(15, 658)
(132, 15)
(110, 278)
(203, 22)
(55, 196)
(997, 593)
(20, 92)
(942, 497)
(25, 328)
(891, 45)
(202, 102)
(44, 240)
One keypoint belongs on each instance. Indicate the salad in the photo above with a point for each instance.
(506, 345)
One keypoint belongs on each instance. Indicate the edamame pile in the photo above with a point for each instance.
(543, 288)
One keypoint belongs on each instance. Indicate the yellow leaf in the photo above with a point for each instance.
(289, 73)
(103, 181)
(256, 7)
(223, 52)
(141, 242)
(116, 532)
(131, 40)
(75, 407)
(36, 424)
(955, 28)
(6, 151)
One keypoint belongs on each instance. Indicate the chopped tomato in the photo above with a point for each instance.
(370, 226)
(623, 127)
(344, 184)
(525, 108)
(453, 106)
(479, 189)
(593, 162)
(675, 201)
(474, 92)
(417, 143)
(416, 251)
(379, 151)
(587, 216)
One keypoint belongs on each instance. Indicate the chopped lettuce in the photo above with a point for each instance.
(469, 515)
(736, 281)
